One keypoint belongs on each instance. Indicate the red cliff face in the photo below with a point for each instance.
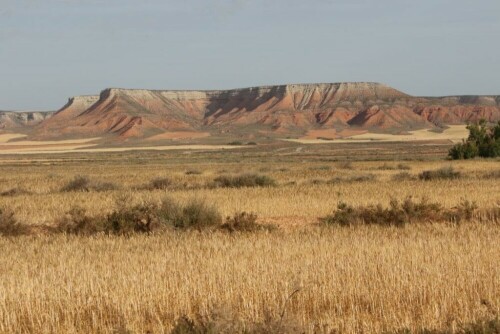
(282, 109)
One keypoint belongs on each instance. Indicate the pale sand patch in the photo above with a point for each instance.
(11, 149)
(179, 135)
(85, 149)
(5, 137)
(455, 133)
(332, 133)
(49, 142)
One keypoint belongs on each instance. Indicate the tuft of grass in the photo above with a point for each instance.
(386, 166)
(320, 168)
(354, 178)
(492, 175)
(345, 165)
(17, 191)
(159, 183)
(403, 176)
(483, 326)
(193, 172)
(243, 222)
(439, 174)
(243, 180)
(403, 167)
(9, 226)
(79, 183)
(235, 143)
(230, 323)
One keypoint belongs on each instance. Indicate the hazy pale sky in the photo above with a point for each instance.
(53, 49)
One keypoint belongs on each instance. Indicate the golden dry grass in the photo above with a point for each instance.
(363, 280)
(354, 280)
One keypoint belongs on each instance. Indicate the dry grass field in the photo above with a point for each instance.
(299, 277)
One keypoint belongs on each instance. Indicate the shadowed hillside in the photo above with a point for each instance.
(270, 110)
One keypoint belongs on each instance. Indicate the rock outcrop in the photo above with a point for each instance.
(11, 120)
(277, 110)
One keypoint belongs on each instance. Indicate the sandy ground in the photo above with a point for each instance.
(86, 149)
(454, 133)
(332, 133)
(5, 137)
(179, 135)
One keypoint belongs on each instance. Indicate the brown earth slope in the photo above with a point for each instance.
(275, 110)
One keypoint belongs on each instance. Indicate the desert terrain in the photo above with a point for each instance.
(288, 268)
(312, 208)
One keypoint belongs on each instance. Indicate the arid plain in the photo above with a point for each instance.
(298, 273)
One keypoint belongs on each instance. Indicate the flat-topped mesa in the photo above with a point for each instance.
(347, 90)
(279, 109)
(80, 103)
(146, 93)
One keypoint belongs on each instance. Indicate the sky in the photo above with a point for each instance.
(54, 49)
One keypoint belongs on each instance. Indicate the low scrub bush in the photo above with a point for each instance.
(196, 214)
(79, 183)
(141, 218)
(159, 183)
(397, 214)
(439, 174)
(84, 184)
(76, 221)
(243, 180)
(9, 226)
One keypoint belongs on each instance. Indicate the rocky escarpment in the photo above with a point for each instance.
(277, 110)
(22, 119)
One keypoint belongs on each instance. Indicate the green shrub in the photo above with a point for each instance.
(439, 174)
(483, 141)
(235, 143)
(243, 180)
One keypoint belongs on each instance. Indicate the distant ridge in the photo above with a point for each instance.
(280, 110)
